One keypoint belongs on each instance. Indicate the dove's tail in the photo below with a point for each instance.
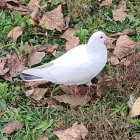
(29, 77)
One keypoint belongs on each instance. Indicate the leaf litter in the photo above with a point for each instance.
(76, 132)
(105, 2)
(73, 100)
(72, 40)
(15, 33)
(120, 44)
(119, 14)
(53, 20)
(36, 94)
(134, 105)
(12, 127)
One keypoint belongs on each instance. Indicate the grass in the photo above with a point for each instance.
(106, 118)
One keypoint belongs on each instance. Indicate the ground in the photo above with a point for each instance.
(105, 117)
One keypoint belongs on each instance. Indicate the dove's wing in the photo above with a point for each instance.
(71, 68)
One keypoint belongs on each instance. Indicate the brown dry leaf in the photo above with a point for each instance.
(43, 138)
(122, 4)
(34, 7)
(2, 3)
(15, 33)
(119, 15)
(52, 103)
(106, 3)
(37, 93)
(15, 65)
(135, 110)
(109, 43)
(11, 66)
(66, 89)
(124, 46)
(15, 5)
(72, 40)
(12, 127)
(34, 84)
(34, 56)
(114, 61)
(7, 77)
(125, 62)
(125, 32)
(3, 68)
(106, 82)
(53, 20)
(73, 100)
(76, 132)
(49, 49)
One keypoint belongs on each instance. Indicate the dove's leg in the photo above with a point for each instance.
(77, 90)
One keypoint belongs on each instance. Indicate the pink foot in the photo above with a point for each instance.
(77, 90)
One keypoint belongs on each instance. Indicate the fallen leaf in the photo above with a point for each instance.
(53, 20)
(7, 77)
(34, 56)
(109, 43)
(125, 32)
(106, 82)
(33, 22)
(131, 101)
(19, 6)
(15, 33)
(43, 138)
(135, 110)
(66, 89)
(36, 93)
(72, 40)
(2, 3)
(12, 127)
(122, 4)
(125, 62)
(73, 100)
(114, 61)
(34, 8)
(15, 65)
(3, 68)
(76, 132)
(49, 49)
(11, 66)
(106, 3)
(53, 103)
(34, 84)
(124, 46)
(119, 15)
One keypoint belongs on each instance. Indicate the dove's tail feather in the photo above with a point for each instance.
(30, 77)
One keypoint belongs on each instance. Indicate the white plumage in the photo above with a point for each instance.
(77, 66)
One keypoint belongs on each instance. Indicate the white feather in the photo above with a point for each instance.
(77, 66)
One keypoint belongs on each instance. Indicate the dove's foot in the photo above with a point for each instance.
(77, 90)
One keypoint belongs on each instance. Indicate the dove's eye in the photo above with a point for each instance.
(101, 37)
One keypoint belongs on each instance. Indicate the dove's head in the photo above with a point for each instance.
(97, 39)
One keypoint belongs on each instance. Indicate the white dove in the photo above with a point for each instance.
(77, 66)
